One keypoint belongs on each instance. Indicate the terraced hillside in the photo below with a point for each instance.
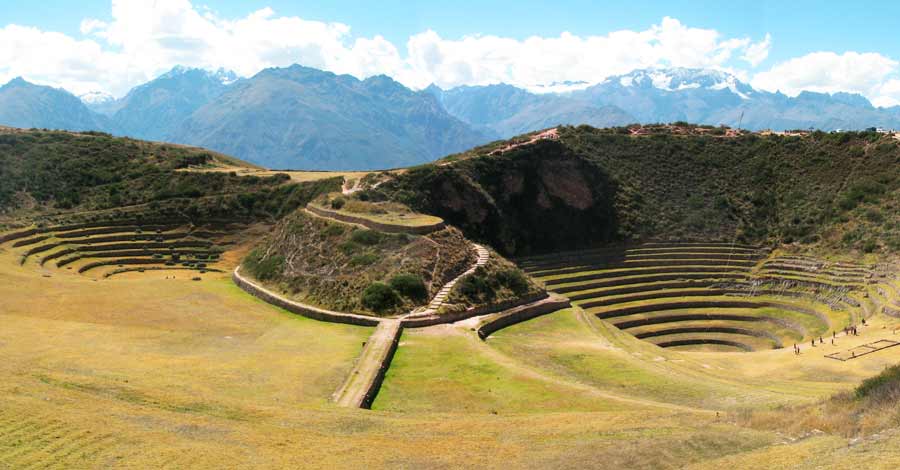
(108, 248)
(718, 296)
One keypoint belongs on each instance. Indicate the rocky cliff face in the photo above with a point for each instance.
(537, 198)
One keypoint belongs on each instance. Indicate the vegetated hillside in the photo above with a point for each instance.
(54, 172)
(596, 186)
(26, 105)
(340, 267)
(156, 110)
(304, 118)
(507, 111)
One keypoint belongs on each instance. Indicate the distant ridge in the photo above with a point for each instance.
(303, 118)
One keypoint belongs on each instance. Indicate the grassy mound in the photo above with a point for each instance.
(341, 267)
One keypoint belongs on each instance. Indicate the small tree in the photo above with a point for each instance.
(409, 286)
(379, 297)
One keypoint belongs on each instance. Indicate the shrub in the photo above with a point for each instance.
(884, 385)
(264, 269)
(364, 259)
(379, 297)
(476, 287)
(365, 237)
(869, 246)
(348, 248)
(338, 203)
(409, 286)
(513, 280)
(333, 230)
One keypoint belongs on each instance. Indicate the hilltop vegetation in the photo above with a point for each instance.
(595, 186)
(56, 172)
(340, 267)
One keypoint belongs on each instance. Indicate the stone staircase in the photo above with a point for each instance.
(441, 297)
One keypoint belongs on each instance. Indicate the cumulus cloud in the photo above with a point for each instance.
(145, 38)
(754, 54)
(479, 60)
(868, 74)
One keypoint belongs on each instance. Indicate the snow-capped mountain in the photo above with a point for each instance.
(100, 102)
(156, 109)
(225, 77)
(96, 97)
(678, 79)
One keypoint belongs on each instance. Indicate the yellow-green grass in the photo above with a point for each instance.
(448, 369)
(583, 348)
(837, 319)
(146, 372)
(787, 336)
(727, 341)
(143, 372)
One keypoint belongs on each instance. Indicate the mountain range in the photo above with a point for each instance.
(304, 118)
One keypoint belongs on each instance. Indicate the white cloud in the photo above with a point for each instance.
(89, 25)
(828, 72)
(754, 54)
(476, 60)
(144, 39)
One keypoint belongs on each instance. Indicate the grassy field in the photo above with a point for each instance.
(143, 371)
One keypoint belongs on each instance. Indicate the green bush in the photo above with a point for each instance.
(348, 248)
(884, 385)
(333, 230)
(264, 269)
(476, 287)
(364, 259)
(410, 286)
(514, 280)
(338, 203)
(365, 237)
(379, 297)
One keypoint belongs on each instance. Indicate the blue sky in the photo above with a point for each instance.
(854, 39)
(798, 27)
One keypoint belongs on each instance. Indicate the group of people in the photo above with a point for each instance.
(848, 331)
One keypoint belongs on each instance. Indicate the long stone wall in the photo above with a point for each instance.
(636, 309)
(371, 224)
(519, 314)
(623, 281)
(638, 272)
(298, 308)
(635, 288)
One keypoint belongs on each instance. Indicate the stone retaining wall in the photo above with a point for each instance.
(298, 308)
(520, 314)
(645, 279)
(636, 309)
(631, 289)
(472, 312)
(659, 320)
(371, 224)
(695, 342)
(640, 272)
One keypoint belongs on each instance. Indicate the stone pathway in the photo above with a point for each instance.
(360, 388)
(441, 297)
